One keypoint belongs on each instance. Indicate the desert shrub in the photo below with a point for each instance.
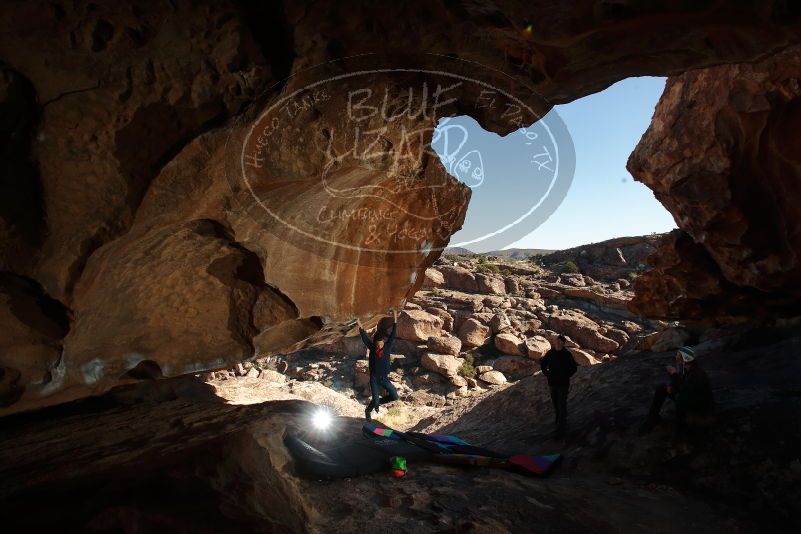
(393, 412)
(488, 268)
(482, 260)
(436, 292)
(632, 276)
(467, 370)
(570, 267)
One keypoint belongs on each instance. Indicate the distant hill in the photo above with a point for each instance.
(458, 251)
(517, 253)
(512, 253)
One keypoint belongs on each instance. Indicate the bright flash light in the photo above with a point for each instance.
(321, 419)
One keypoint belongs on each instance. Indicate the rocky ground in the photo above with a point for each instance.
(205, 453)
(477, 324)
(177, 456)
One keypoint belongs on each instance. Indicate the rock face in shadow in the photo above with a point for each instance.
(722, 155)
(181, 230)
(174, 457)
(612, 259)
(746, 443)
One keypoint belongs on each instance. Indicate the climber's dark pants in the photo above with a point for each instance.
(660, 396)
(559, 399)
(376, 383)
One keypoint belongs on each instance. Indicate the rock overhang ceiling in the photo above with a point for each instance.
(121, 126)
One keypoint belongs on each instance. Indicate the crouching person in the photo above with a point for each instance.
(689, 389)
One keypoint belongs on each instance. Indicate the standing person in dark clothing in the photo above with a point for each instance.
(380, 347)
(558, 365)
(689, 388)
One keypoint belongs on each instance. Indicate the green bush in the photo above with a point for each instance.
(436, 292)
(570, 267)
(467, 370)
(488, 268)
(482, 260)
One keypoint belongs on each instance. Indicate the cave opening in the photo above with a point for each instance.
(173, 87)
(512, 176)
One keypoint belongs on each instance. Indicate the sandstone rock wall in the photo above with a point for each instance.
(722, 155)
(123, 124)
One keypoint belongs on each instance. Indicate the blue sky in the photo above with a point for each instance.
(603, 200)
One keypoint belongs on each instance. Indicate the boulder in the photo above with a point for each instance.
(403, 360)
(536, 347)
(361, 377)
(630, 327)
(533, 294)
(509, 344)
(551, 336)
(670, 339)
(598, 295)
(483, 317)
(583, 357)
(530, 304)
(490, 284)
(617, 335)
(473, 334)
(354, 346)
(446, 365)
(499, 323)
(551, 292)
(512, 286)
(433, 279)
(459, 318)
(582, 329)
(458, 300)
(459, 278)
(646, 341)
(427, 380)
(483, 368)
(530, 325)
(515, 365)
(412, 349)
(458, 381)
(447, 318)
(417, 325)
(496, 378)
(446, 344)
(493, 301)
(572, 279)
(252, 373)
(272, 376)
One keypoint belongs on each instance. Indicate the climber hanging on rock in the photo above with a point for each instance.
(380, 346)
(689, 388)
